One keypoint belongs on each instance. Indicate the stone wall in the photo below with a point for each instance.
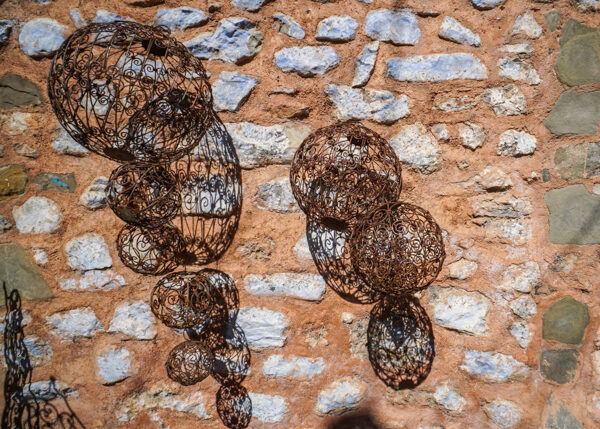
(493, 107)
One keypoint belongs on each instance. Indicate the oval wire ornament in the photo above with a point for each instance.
(189, 363)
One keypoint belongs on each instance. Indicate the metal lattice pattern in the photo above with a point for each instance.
(234, 406)
(189, 363)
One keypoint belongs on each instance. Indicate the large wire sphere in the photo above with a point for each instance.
(189, 363)
(182, 299)
(341, 172)
(234, 406)
(143, 194)
(400, 342)
(106, 74)
(398, 248)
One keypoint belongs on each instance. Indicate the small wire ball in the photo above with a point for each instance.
(234, 406)
(398, 248)
(105, 74)
(143, 194)
(400, 342)
(189, 363)
(340, 172)
(182, 299)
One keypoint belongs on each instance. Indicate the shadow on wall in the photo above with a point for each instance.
(361, 419)
(29, 405)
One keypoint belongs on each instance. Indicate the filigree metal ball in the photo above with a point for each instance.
(189, 363)
(143, 194)
(182, 299)
(106, 74)
(234, 406)
(341, 172)
(398, 248)
(228, 344)
(400, 342)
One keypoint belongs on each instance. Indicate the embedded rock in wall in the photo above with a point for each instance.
(520, 277)
(506, 101)
(578, 61)
(305, 286)
(436, 68)
(559, 366)
(180, 18)
(521, 333)
(80, 322)
(39, 351)
(276, 195)
(337, 29)
(63, 144)
(17, 270)
(493, 367)
(61, 182)
(267, 408)
(518, 70)
(472, 135)
(459, 309)
(88, 252)
(580, 161)
(398, 27)
(503, 413)
(364, 64)
(574, 215)
(516, 143)
(41, 37)
(486, 4)
(6, 26)
(454, 31)
(263, 328)
(358, 333)
(231, 91)
(565, 321)
(37, 215)
(18, 91)
(417, 148)
(12, 181)
(526, 25)
(307, 61)
(293, 366)
(251, 5)
(114, 365)
(575, 113)
(462, 269)
(340, 396)
(94, 196)
(133, 319)
(285, 24)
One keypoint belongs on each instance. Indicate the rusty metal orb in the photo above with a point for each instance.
(341, 172)
(143, 194)
(182, 299)
(400, 342)
(234, 406)
(397, 248)
(105, 74)
(189, 363)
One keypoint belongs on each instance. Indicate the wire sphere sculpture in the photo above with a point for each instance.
(226, 300)
(112, 85)
(189, 363)
(143, 194)
(330, 253)
(340, 172)
(182, 299)
(234, 406)
(400, 342)
(398, 248)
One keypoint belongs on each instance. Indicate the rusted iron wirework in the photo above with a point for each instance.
(226, 300)
(341, 172)
(143, 194)
(234, 406)
(400, 342)
(398, 248)
(129, 91)
(189, 363)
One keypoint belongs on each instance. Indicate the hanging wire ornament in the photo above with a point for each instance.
(340, 172)
(182, 299)
(400, 342)
(189, 363)
(226, 300)
(234, 406)
(143, 194)
(397, 248)
(129, 91)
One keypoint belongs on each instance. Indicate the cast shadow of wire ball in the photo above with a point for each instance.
(234, 406)
(340, 172)
(111, 86)
(400, 342)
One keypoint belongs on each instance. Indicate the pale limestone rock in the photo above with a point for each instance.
(88, 252)
(524, 307)
(80, 322)
(267, 408)
(493, 367)
(459, 310)
(305, 286)
(293, 366)
(462, 269)
(114, 365)
(37, 215)
(520, 277)
(340, 396)
(134, 319)
(417, 148)
(263, 328)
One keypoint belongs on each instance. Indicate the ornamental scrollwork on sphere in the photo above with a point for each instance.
(234, 406)
(189, 363)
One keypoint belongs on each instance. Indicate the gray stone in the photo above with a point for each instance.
(493, 367)
(26, 150)
(486, 4)
(94, 196)
(574, 215)
(93, 280)
(516, 143)
(180, 18)
(307, 61)
(6, 26)
(399, 27)
(251, 5)
(462, 269)
(133, 319)
(565, 321)
(559, 366)
(459, 310)
(575, 113)
(505, 414)
(440, 131)
(267, 408)
(41, 37)
(39, 352)
(263, 328)
(580, 161)
(436, 68)
(13, 180)
(258, 250)
(231, 91)
(18, 91)
(449, 399)
(37, 215)
(574, 28)
(358, 333)
(285, 24)
(520, 331)
(292, 367)
(276, 195)
(17, 270)
(39, 255)
(305, 286)
(236, 40)
(114, 365)
(357, 103)
(558, 415)
(88, 252)
(524, 307)
(579, 59)
(518, 70)
(472, 135)
(502, 206)
(80, 322)
(417, 148)
(337, 29)
(61, 182)
(520, 277)
(340, 396)
(105, 16)
(364, 64)
(454, 31)
(451, 103)
(506, 101)
(63, 144)
(527, 25)
(552, 19)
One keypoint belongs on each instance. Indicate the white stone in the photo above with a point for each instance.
(520, 331)
(105, 16)
(462, 269)
(520, 277)
(37, 215)
(501, 205)
(133, 319)
(516, 143)
(512, 231)
(114, 365)
(356, 103)
(493, 367)
(472, 135)
(486, 4)
(309, 287)
(301, 249)
(276, 195)
(251, 5)
(399, 27)
(292, 366)
(493, 179)
(358, 333)
(63, 144)
(519, 70)
(94, 196)
(517, 48)
(454, 103)
(93, 280)
(340, 396)
(285, 24)
(18, 122)
(440, 131)
(449, 398)
(88, 252)
(436, 68)
(589, 5)
(337, 29)
(80, 322)
(76, 17)
(267, 408)
(454, 31)
(41, 37)
(39, 351)
(47, 391)
(459, 310)
(231, 90)
(503, 413)
(180, 18)
(524, 307)
(417, 148)
(307, 61)
(527, 25)
(506, 101)
(364, 64)
(6, 26)
(263, 328)
(39, 255)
